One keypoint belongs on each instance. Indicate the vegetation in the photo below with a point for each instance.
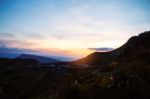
(124, 77)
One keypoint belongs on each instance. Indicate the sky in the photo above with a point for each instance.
(71, 27)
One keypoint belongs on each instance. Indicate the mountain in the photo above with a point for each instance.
(96, 58)
(8, 55)
(13, 52)
(41, 59)
(136, 46)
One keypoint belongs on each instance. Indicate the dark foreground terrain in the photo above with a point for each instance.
(120, 74)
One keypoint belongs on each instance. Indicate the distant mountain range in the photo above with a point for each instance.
(10, 52)
(135, 47)
(41, 59)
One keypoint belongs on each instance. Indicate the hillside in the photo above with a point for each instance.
(136, 45)
(125, 77)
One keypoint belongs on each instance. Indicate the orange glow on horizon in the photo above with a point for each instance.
(74, 52)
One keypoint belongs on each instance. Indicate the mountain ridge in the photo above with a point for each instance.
(140, 42)
(41, 59)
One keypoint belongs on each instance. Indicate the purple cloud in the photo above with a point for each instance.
(102, 49)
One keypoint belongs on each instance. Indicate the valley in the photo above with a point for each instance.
(125, 75)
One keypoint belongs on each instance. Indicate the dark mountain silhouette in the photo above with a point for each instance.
(41, 59)
(136, 46)
(97, 58)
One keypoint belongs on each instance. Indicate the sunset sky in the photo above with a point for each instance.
(71, 27)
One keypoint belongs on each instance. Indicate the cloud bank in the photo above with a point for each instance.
(102, 49)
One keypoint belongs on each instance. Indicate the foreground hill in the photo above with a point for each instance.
(136, 45)
(125, 76)
(41, 59)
